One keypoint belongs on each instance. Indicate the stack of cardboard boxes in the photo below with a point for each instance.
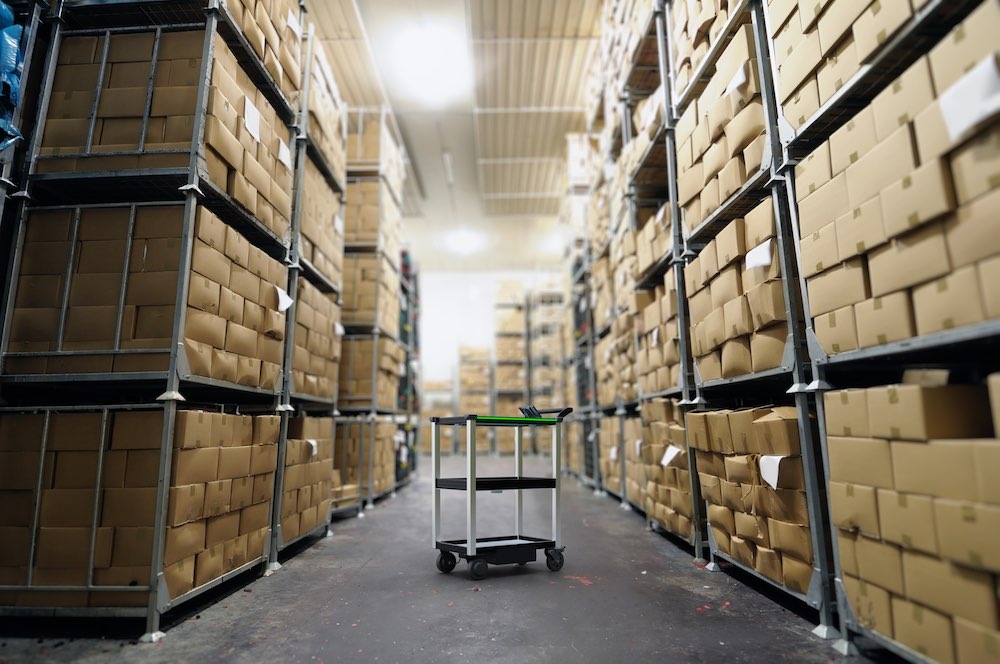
(721, 134)
(608, 382)
(327, 114)
(736, 299)
(474, 360)
(246, 151)
(370, 368)
(509, 349)
(274, 32)
(598, 219)
(602, 287)
(322, 237)
(654, 241)
(913, 496)
(308, 480)
(370, 142)
(368, 443)
(222, 482)
(316, 357)
(663, 455)
(896, 209)
(372, 218)
(608, 444)
(447, 432)
(508, 406)
(696, 25)
(371, 293)
(751, 474)
(234, 325)
(635, 442)
(658, 353)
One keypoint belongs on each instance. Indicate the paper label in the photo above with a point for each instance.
(293, 23)
(284, 300)
(738, 81)
(251, 119)
(655, 337)
(614, 453)
(972, 99)
(284, 154)
(638, 447)
(339, 329)
(327, 73)
(769, 466)
(338, 224)
(313, 447)
(759, 256)
(669, 455)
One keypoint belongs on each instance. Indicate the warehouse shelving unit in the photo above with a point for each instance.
(410, 390)
(501, 366)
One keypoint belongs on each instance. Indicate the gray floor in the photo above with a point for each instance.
(371, 593)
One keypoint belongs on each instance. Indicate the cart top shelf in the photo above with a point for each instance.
(499, 421)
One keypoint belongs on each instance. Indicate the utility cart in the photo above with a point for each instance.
(513, 549)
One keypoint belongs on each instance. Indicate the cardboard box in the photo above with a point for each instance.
(195, 466)
(872, 605)
(192, 429)
(254, 517)
(908, 520)
(916, 412)
(968, 533)
(923, 630)
(920, 468)
(877, 24)
(217, 497)
(846, 544)
(908, 260)
(902, 100)
(721, 518)
(880, 166)
(70, 547)
(128, 507)
(860, 461)
(949, 302)
(919, 197)
(185, 504)
(769, 564)
(852, 141)
(133, 547)
(969, 233)
(179, 576)
(880, 563)
(752, 528)
(837, 330)
(975, 643)
(813, 171)
(777, 432)
(736, 359)
(883, 320)
(787, 505)
(183, 542)
(846, 413)
(791, 539)
(742, 429)
(860, 230)
(767, 347)
(853, 507)
(824, 205)
(951, 589)
(781, 472)
(975, 166)
(802, 61)
(838, 287)
(68, 508)
(964, 46)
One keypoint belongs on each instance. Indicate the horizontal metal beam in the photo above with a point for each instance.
(529, 40)
(512, 161)
(513, 110)
(521, 195)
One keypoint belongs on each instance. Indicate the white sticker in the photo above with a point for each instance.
(614, 453)
(769, 466)
(655, 337)
(251, 119)
(338, 225)
(669, 455)
(284, 154)
(284, 301)
(638, 447)
(327, 73)
(293, 23)
(738, 81)
(759, 256)
(972, 99)
(313, 447)
(339, 329)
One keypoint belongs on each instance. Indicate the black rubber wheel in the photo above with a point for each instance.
(554, 560)
(446, 562)
(478, 569)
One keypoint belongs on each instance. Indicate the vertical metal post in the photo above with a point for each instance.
(125, 274)
(370, 487)
(518, 471)
(33, 545)
(622, 466)
(68, 282)
(97, 93)
(556, 442)
(470, 486)
(95, 509)
(436, 465)
(149, 90)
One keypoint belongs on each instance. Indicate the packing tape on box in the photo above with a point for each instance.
(284, 299)
(759, 256)
(669, 455)
(770, 464)
(972, 99)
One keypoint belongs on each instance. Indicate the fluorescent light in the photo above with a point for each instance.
(465, 241)
(431, 63)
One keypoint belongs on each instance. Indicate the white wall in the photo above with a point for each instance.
(457, 310)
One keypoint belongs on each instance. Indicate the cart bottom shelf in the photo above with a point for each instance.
(487, 544)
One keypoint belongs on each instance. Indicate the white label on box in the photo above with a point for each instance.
(759, 256)
(738, 81)
(251, 119)
(313, 447)
(284, 154)
(284, 300)
(972, 99)
(338, 224)
(769, 465)
(293, 23)
(339, 329)
(655, 337)
(614, 453)
(669, 455)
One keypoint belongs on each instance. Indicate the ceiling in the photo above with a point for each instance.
(504, 137)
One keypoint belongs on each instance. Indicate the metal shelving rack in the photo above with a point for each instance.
(410, 394)
(188, 187)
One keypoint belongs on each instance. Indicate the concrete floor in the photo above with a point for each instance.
(371, 593)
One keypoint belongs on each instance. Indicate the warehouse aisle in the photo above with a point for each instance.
(371, 593)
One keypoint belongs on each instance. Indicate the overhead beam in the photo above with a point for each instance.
(514, 161)
(530, 40)
(527, 110)
(521, 195)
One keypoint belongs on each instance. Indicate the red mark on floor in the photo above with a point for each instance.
(354, 624)
(726, 604)
(452, 603)
(585, 581)
(699, 609)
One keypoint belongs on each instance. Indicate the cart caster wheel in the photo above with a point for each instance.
(478, 569)
(554, 560)
(446, 562)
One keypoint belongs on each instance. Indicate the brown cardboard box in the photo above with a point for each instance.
(209, 565)
(860, 230)
(777, 432)
(192, 429)
(710, 488)
(952, 301)
(752, 528)
(722, 518)
(920, 468)
(222, 528)
(975, 643)
(883, 320)
(880, 563)
(908, 260)
(767, 347)
(968, 533)
(217, 497)
(142, 468)
(812, 172)
(872, 605)
(195, 466)
(916, 412)
(852, 141)
(786, 470)
(790, 538)
(787, 505)
(254, 517)
(736, 358)
(737, 318)
(920, 196)
(70, 547)
(179, 576)
(234, 462)
(846, 413)
(133, 547)
(877, 24)
(185, 504)
(68, 508)
(908, 520)
(767, 304)
(846, 544)
(837, 331)
(741, 468)
(838, 287)
(860, 461)
(951, 589)
(719, 431)
(769, 564)
(797, 574)
(975, 166)
(803, 60)
(880, 166)
(742, 429)
(128, 507)
(899, 103)
(923, 630)
(970, 234)
(759, 224)
(854, 507)
(964, 46)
